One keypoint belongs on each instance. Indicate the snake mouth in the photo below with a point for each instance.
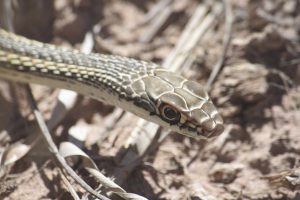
(218, 129)
(200, 132)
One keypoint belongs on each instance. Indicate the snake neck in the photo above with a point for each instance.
(31, 61)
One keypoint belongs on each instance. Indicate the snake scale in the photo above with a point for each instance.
(140, 87)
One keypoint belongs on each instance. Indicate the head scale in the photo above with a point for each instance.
(172, 101)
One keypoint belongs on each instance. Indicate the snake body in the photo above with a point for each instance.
(140, 87)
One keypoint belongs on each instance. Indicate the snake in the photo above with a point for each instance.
(140, 87)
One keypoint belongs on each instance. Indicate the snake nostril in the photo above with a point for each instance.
(209, 132)
(217, 130)
(199, 131)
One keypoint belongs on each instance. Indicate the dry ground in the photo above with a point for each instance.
(257, 92)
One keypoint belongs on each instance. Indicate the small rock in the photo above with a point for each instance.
(225, 173)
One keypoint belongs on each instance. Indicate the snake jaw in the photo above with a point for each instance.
(216, 131)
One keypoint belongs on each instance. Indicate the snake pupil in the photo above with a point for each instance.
(170, 113)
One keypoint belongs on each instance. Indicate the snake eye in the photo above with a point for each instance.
(169, 114)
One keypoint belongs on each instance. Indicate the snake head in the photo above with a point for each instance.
(179, 104)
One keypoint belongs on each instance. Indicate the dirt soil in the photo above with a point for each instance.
(257, 92)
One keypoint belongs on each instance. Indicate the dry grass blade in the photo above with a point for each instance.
(289, 179)
(156, 9)
(13, 153)
(6, 7)
(69, 186)
(192, 25)
(69, 150)
(200, 22)
(226, 42)
(53, 149)
(157, 22)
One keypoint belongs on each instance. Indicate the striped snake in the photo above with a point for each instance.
(140, 87)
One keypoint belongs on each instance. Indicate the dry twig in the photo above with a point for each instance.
(226, 42)
(157, 22)
(53, 149)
